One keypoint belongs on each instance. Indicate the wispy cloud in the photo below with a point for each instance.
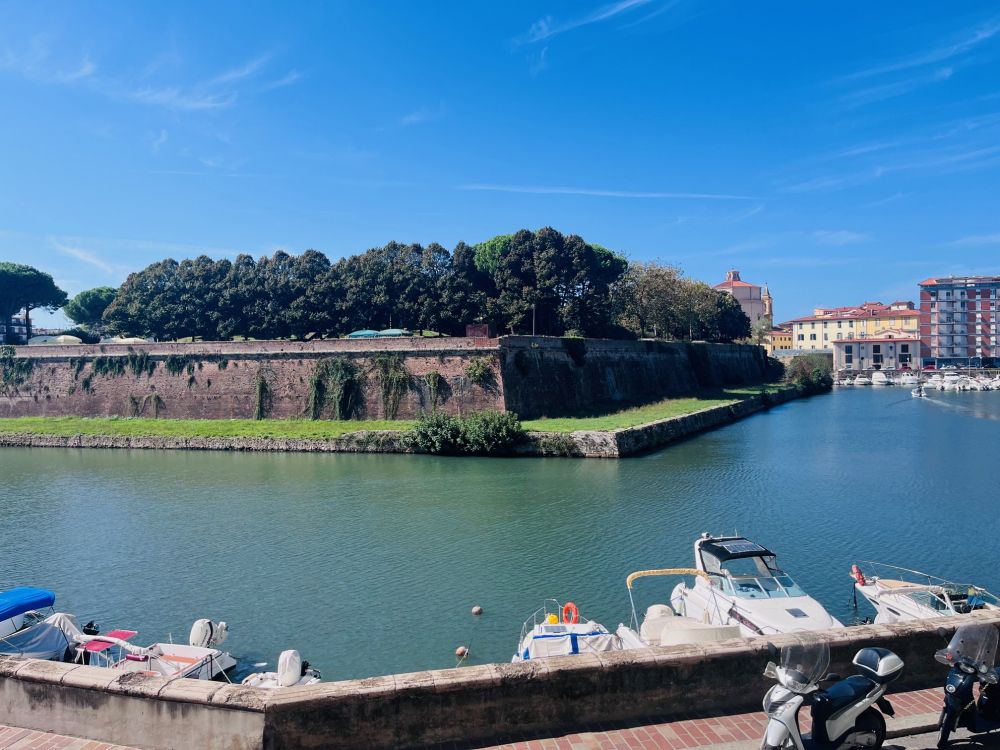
(970, 39)
(158, 140)
(551, 190)
(977, 240)
(872, 94)
(547, 27)
(176, 98)
(286, 80)
(36, 61)
(420, 116)
(744, 215)
(85, 256)
(246, 70)
(839, 237)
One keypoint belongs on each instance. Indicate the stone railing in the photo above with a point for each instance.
(473, 703)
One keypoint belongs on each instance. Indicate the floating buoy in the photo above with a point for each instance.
(461, 652)
(477, 610)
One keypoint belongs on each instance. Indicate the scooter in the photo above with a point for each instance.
(970, 654)
(842, 715)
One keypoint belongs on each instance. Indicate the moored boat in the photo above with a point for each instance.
(880, 378)
(556, 629)
(662, 626)
(744, 586)
(291, 672)
(900, 594)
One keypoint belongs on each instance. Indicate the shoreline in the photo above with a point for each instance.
(611, 444)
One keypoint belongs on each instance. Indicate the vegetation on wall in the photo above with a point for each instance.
(483, 433)
(176, 364)
(433, 381)
(14, 371)
(479, 372)
(336, 383)
(263, 394)
(393, 381)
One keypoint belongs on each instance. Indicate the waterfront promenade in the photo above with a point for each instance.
(916, 712)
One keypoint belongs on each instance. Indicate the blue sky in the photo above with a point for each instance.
(841, 152)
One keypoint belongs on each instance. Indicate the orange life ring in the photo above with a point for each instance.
(570, 613)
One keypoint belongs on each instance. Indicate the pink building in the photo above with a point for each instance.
(756, 304)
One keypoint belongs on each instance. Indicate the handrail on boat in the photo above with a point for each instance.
(664, 572)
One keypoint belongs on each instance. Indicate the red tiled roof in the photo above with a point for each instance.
(927, 282)
(859, 314)
(730, 284)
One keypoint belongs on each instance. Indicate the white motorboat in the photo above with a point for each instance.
(556, 629)
(292, 671)
(744, 586)
(918, 392)
(862, 380)
(880, 378)
(661, 626)
(909, 378)
(900, 594)
(198, 660)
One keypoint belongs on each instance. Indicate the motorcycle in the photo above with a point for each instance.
(843, 714)
(970, 654)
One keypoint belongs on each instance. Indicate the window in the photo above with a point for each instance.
(904, 348)
(839, 322)
(849, 349)
(876, 348)
(813, 324)
(812, 336)
(802, 337)
(848, 359)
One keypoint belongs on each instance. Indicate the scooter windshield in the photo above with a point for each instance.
(972, 645)
(804, 664)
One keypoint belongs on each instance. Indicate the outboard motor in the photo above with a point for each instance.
(290, 668)
(208, 634)
(91, 628)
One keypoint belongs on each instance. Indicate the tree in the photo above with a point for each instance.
(649, 299)
(759, 332)
(26, 288)
(87, 308)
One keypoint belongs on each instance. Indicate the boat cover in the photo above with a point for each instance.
(41, 641)
(24, 599)
(590, 641)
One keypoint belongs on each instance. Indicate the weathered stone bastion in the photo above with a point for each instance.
(475, 703)
(395, 378)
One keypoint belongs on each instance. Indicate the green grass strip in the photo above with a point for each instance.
(293, 429)
(640, 415)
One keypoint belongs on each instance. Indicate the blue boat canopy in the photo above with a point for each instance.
(393, 333)
(24, 599)
(363, 334)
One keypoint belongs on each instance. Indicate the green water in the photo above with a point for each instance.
(370, 564)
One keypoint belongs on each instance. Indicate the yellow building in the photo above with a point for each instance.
(778, 339)
(829, 324)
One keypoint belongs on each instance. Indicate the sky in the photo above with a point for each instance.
(840, 152)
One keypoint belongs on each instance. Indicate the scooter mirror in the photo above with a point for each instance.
(771, 670)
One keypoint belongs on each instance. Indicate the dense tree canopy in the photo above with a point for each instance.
(543, 281)
(26, 288)
(87, 308)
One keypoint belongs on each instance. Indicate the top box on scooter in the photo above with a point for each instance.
(879, 665)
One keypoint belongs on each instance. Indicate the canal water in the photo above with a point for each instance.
(370, 564)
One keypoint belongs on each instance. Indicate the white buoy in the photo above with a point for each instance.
(461, 652)
(477, 610)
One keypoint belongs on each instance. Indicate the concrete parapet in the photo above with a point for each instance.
(468, 704)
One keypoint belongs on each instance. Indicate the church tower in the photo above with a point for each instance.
(768, 303)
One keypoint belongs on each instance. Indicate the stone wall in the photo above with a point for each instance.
(220, 380)
(469, 704)
(548, 377)
(531, 376)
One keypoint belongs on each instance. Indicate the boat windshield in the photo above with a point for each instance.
(756, 578)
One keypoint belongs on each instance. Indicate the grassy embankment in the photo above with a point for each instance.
(307, 429)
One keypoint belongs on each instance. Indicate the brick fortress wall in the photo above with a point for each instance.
(532, 376)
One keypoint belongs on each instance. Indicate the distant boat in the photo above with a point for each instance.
(862, 380)
(880, 378)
